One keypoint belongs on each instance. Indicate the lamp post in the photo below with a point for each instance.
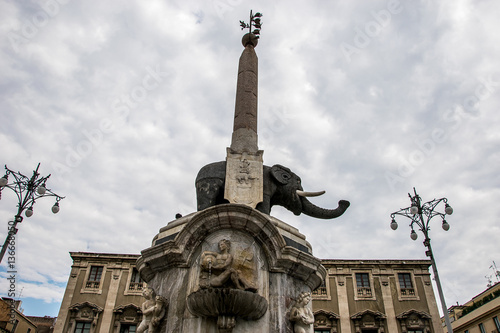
(420, 215)
(28, 190)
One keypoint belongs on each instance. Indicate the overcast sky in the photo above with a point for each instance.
(123, 103)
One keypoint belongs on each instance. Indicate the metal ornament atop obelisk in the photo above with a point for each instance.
(244, 168)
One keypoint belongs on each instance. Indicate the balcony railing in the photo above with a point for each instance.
(365, 292)
(321, 291)
(136, 286)
(407, 292)
(93, 284)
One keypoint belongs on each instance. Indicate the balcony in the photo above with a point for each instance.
(136, 286)
(365, 292)
(409, 292)
(92, 284)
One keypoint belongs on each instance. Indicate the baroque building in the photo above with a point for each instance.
(104, 295)
(376, 296)
(12, 318)
(479, 315)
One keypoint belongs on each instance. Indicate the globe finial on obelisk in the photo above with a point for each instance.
(244, 168)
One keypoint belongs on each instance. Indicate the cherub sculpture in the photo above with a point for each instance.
(301, 315)
(153, 311)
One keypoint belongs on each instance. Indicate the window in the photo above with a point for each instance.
(14, 326)
(29, 330)
(405, 284)
(126, 328)
(321, 331)
(136, 282)
(363, 284)
(82, 327)
(321, 291)
(418, 331)
(94, 277)
(466, 331)
(497, 323)
(481, 328)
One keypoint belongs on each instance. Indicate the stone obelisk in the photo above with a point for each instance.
(229, 268)
(244, 180)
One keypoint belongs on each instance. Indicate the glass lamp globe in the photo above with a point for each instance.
(448, 210)
(413, 235)
(29, 212)
(55, 208)
(3, 181)
(414, 209)
(445, 226)
(394, 224)
(41, 190)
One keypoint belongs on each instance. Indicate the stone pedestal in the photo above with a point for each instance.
(229, 268)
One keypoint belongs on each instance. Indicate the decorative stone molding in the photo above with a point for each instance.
(280, 256)
(126, 314)
(369, 319)
(84, 312)
(326, 320)
(341, 280)
(415, 320)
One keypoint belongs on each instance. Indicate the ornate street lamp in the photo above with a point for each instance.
(420, 215)
(28, 190)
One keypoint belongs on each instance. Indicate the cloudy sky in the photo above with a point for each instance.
(123, 103)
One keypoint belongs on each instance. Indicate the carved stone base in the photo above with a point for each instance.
(271, 266)
(226, 324)
(226, 304)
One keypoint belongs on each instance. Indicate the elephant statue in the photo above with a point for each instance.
(281, 187)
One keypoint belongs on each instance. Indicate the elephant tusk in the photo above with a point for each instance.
(309, 194)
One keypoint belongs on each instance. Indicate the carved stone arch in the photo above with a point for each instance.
(279, 254)
(326, 320)
(415, 320)
(126, 314)
(369, 319)
(84, 312)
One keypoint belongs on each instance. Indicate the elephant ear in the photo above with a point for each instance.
(281, 174)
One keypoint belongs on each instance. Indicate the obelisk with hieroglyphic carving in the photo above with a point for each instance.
(244, 165)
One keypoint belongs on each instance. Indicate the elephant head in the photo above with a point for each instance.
(287, 191)
(281, 187)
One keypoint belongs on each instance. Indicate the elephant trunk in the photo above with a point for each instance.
(312, 210)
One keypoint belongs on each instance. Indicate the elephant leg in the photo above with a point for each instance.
(265, 205)
(209, 192)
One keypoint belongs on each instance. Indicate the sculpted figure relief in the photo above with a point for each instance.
(218, 270)
(301, 315)
(153, 311)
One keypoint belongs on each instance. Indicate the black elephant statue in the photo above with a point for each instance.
(281, 187)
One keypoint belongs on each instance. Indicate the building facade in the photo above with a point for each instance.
(12, 320)
(104, 295)
(43, 324)
(479, 315)
(376, 296)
